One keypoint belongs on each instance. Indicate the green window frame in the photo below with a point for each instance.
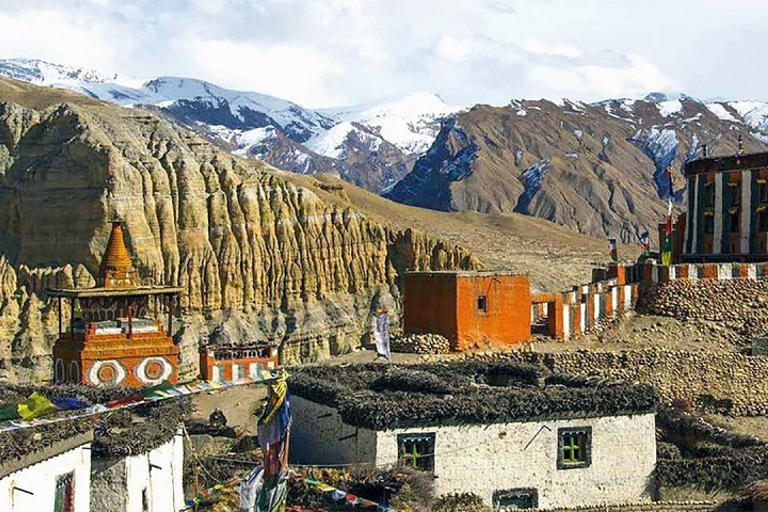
(417, 450)
(574, 447)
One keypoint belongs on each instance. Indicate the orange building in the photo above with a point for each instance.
(114, 334)
(471, 309)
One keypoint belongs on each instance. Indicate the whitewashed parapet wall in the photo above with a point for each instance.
(655, 273)
(585, 308)
(591, 307)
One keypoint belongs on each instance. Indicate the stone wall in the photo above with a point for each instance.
(119, 483)
(740, 305)
(661, 506)
(727, 383)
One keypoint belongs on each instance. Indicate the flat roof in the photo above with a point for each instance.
(45, 450)
(78, 293)
(464, 273)
(123, 432)
(726, 163)
(381, 396)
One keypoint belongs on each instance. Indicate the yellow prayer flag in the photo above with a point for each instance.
(34, 406)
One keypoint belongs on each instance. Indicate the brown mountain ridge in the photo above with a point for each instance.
(599, 169)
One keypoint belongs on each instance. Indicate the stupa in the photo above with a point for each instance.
(115, 335)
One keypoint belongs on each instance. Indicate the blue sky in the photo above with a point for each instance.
(324, 53)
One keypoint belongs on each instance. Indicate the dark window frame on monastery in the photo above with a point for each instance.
(64, 496)
(482, 304)
(520, 498)
(762, 220)
(417, 450)
(574, 447)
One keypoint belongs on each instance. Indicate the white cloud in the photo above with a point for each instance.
(68, 40)
(297, 72)
(343, 51)
(552, 49)
(452, 49)
(637, 77)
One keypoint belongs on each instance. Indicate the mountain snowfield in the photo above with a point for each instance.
(409, 123)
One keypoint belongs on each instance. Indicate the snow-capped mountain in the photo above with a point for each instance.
(599, 168)
(40, 72)
(372, 145)
(410, 123)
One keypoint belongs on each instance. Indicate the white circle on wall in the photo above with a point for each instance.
(106, 372)
(153, 370)
(59, 373)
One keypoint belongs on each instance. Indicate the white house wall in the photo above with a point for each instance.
(482, 459)
(40, 479)
(119, 482)
(319, 436)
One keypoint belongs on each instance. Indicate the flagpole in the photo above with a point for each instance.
(666, 249)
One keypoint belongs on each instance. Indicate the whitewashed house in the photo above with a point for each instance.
(141, 469)
(131, 460)
(46, 472)
(492, 430)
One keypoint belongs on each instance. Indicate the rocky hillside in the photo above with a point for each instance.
(261, 257)
(599, 169)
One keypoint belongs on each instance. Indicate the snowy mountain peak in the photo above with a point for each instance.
(410, 122)
(656, 97)
(41, 72)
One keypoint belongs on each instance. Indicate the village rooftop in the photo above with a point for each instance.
(380, 397)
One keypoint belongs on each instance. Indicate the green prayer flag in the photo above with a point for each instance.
(157, 391)
(34, 406)
(9, 412)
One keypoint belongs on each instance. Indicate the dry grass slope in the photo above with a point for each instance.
(554, 256)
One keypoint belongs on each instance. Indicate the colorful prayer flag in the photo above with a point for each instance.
(273, 430)
(614, 250)
(645, 242)
(9, 412)
(250, 489)
(666, 246)
(380, 331)
(34, 406)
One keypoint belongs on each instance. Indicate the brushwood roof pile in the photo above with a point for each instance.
(380, 397)
(136, 430)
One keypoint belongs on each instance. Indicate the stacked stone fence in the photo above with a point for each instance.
(651, 506)
(724, 383)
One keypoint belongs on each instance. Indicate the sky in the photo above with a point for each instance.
(324, 53)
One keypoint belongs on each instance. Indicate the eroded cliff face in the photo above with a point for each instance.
(260, 258)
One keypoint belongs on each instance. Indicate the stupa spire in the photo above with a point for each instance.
(116, 269)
